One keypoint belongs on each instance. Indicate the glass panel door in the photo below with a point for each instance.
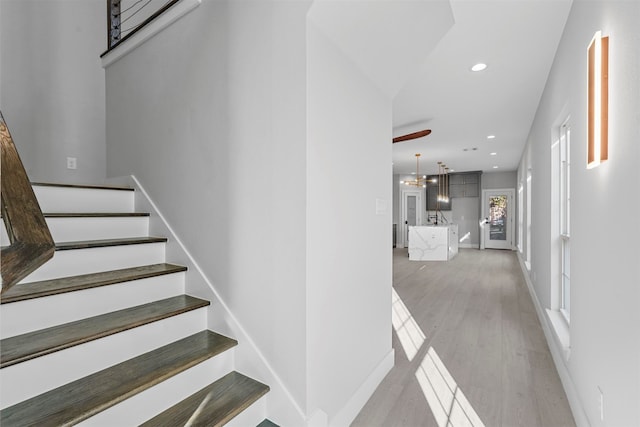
(412, 203)
(498, 227)
(498, 217)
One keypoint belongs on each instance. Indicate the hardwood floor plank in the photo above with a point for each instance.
(552, 404)
(77, 401)
(477, 316)
(45, 341)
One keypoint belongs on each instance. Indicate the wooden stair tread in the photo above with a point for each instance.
(91, 187)
(86, 244)
(94, 214)
(214, 405)
(44, 288)
(83, 398)
(101, 243)
(267, 423)
(45, 341)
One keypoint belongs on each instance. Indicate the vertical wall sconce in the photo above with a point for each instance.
(598, 109)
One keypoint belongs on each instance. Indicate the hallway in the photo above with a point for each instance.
(469, 349)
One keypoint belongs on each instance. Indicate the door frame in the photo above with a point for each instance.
(403, 208)
(510, 192)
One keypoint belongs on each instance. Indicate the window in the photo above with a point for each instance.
(565, 219)
(528, 194)
(520, 216)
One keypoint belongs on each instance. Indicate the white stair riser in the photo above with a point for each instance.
(39, 313)
(252, 416)
(25, 380)
(144, 406)
(92, 260)
(75, 229)
(70, 199)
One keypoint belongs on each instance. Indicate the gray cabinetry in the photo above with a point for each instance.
(464, 184)
(432, 195)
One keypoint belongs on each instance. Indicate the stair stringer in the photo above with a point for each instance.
(282, 407)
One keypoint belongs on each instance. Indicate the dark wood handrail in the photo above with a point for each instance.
(31, 242)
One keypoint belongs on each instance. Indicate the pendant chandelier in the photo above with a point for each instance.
(443, 183)
(419, 181)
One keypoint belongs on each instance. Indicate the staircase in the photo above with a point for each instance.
(104, 334)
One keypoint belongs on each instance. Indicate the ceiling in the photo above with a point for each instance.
(517, 39)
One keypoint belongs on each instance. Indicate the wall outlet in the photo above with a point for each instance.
(72, 163)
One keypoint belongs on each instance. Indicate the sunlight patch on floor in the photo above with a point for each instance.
(448, 404)
(409, 333)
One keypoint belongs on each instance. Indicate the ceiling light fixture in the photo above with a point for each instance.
(495, 167)
(479, 67)
(419, 181)
(443, 185)
(490, 136)
(493, 154)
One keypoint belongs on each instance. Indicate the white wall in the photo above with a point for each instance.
(210, 115)
(348, 243)
(466, 213)
(498, 180)
(52, 86)
(604, 340)
(243, 121)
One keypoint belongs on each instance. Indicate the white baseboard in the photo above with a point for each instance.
(283, 409)
(353, 407)
(468, 245)
(557, 353)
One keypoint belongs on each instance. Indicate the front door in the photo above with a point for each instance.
(411, 204)
(498, 219)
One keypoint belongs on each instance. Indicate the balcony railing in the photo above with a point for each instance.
(126, 17)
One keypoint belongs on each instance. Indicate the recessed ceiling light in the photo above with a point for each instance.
(479, 67)
(495, 167)
(493, 154)
(491, 136)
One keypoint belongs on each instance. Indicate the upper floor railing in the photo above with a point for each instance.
(31, 244)
(125, 17)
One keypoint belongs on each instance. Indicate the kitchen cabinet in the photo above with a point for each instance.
(464, 184)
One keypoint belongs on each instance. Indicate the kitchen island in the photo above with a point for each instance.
(433, 242)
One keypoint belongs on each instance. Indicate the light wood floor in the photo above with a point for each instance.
(482, 343)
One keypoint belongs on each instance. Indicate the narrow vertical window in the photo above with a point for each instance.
(520, 217)
(565, 221)
(528, 194)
